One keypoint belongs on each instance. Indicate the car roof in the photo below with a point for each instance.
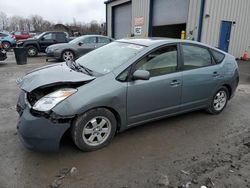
(94, 35)
(154, 41)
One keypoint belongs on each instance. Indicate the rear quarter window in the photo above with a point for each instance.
(218, 56)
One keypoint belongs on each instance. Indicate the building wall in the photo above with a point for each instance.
(193, 19)
(228, 10)
(109, 14)
(141, 8)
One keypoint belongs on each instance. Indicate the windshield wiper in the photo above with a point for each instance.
(80, 67)
(90, 72)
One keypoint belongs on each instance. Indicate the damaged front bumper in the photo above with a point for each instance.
(39, 133)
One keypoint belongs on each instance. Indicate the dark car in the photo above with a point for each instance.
(41, 42)
(77, 47)
(3, 54)
(120, 85)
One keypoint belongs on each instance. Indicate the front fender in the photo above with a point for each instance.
(104, 91)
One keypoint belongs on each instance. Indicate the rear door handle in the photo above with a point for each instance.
(216, 74)
(175, 83)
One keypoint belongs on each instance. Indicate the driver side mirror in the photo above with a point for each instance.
(42, 39)
(80, 43)
(141, 75)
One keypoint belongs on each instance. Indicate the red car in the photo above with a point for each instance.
(20, 35)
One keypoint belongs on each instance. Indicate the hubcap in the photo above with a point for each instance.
(96, 131)
(6, 45)
(32, 52)
(67, 56)
(220, 100)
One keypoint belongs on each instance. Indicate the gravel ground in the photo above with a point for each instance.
(189, 150)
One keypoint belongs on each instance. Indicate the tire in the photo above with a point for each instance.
(68, 55)
(94, 130)
(219, 101)
(6, 45)
(32, 51)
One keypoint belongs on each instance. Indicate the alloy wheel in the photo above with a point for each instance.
(220, 100)
(68, 56)
(6, 45)
(32, 52)
(96, 131)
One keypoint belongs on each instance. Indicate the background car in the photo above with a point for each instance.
(3, 54)
(40, 42)
(77, 47)
(7, 40)
(123, 84)
(20, 35)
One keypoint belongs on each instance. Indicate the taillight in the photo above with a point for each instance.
(13, 36)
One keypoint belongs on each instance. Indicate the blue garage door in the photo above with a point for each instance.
(122, 18)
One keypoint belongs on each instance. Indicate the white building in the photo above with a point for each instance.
(221, 23)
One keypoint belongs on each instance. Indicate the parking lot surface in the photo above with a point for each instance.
(188, 150)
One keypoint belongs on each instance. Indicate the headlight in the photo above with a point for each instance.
(49, 101)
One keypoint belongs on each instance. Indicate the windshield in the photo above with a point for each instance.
(77, 40)
(107, 58)
(38, 36)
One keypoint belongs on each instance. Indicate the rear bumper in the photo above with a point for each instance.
(39, 133)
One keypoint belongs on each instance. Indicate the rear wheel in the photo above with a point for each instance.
(68, 55)
(219, 101)
(6, 45)
(32, 51)
(94, 129)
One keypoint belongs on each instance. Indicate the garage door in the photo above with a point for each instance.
(170, 12)
(122, 17)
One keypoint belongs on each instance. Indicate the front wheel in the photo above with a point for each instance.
(6, 45)
(219, 101)
(32, 51)
(94, 129)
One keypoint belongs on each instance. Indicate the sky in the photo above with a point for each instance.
(57, 11)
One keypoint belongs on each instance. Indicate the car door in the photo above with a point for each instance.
(161, 94)
(88, 44)
(47, 40)
(201, 76)
(101, 41)
(61, 38)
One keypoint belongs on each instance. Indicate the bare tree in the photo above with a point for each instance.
(37, 22)
(3, 20)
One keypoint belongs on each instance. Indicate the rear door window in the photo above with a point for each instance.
(60, 37)
(103, 40)
(195, 56)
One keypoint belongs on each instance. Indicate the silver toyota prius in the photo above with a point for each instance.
(123, 84)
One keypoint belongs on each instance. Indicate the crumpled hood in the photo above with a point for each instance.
(51, 74)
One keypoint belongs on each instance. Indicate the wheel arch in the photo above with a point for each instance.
(33, 45)
(229, 90)
(112, 110)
